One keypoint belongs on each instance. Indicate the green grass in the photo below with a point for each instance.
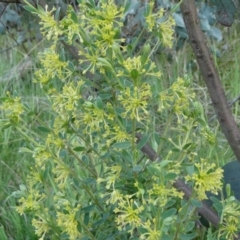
(14, 165)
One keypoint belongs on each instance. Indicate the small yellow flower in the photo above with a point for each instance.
(161, 194)
(52, 65)
(135, 101)
(62, 173)
(12, 108)
(167, 30)
(67, 100)
(206, 179)
(151, 17)
(68, 223)
(116, 134)
(128, 213)
(112, 175)
(50, 28)
(152, 231)
(41, 227)
(31, 202)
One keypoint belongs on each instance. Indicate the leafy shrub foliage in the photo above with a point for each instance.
(89, 178)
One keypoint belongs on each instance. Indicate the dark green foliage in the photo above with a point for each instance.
(232, 177)
(225, 11)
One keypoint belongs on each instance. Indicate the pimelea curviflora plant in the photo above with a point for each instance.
(89, 178)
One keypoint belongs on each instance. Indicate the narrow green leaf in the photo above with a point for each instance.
(137, 168)
(31, 9)
(122, 145)
(168, 213)
(143, 141)
(188, 236)
(196, 203)
(171, 176)
(44, 129)
(74, 16)
(79, 149)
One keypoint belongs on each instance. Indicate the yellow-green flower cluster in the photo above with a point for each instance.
(41, 227)
(92, 118)
(50, 28)
(115, 134)
(156, 21)
(135, 102)
(41, 155)
(162, 194)
(138, 67)
(12, 108)
(67, 221)
(31, 202)
(67, 100)
(112, 176)
(61, 173)
(153, 232)
(128, 213)
(106, 22)
(177, 98)
(53, 67)
(102, 25)
(167, 30)
(70, 25)
(208, 135)
(207, 178)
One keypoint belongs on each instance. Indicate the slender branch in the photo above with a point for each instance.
(180, 185)
(210, 74)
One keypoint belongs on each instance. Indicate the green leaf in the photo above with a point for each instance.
(3, 236)
(137, 168)
(105, 63)
(134, 74)
(127, 156)
(188, 236)
(99, 103)
(105, 96)
(145, 55)
(86, 218)
(25, 150)
(31, 8)
(170, 203)
(87, 209)
(187, 145)
(143, 141)
(122, 145)
(153, 170)
(44, 129)
(189, 226)
(74, 16)
(170, 176)
(57, 14)
(164, 163)
(79, 149)
(196, 203)
(168, 213)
